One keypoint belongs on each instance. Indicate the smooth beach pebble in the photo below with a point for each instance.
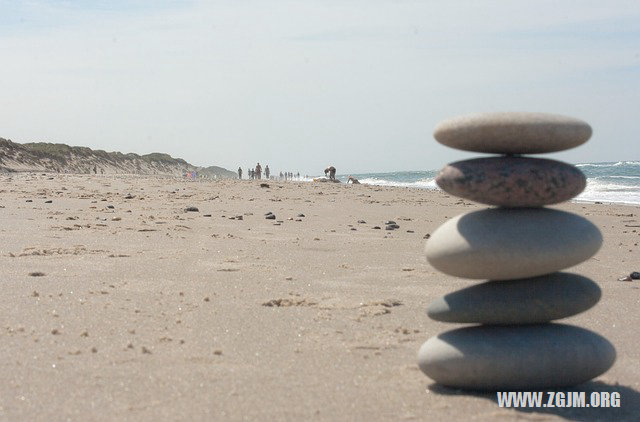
(522, 301)
(512, 181)
(503, 244)
(515, 357)
(512, 133)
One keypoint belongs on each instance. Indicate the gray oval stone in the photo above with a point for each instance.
(523, 301)
(515, 357)
(509, 243)
(512, 133)
(512, 181)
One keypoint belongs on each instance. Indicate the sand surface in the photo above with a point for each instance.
(119, 305)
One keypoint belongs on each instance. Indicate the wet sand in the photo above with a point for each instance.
(120, 305)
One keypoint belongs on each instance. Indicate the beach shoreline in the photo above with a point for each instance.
(120, 304)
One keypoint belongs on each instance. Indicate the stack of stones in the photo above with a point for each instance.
(520, 247)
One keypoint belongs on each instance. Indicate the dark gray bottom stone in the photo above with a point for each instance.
(515, 357)
(523, 301)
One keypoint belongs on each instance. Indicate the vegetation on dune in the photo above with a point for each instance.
(50, 150)
(62, 157)
(161, 157)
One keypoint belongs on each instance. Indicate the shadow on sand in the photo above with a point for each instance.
(629, 409)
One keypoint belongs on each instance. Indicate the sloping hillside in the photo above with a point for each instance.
(63, 158)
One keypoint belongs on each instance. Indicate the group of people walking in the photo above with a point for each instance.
(289, 175)
(256, 173)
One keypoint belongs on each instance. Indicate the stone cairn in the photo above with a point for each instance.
(520, 247)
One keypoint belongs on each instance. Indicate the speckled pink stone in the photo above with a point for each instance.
(512, 181)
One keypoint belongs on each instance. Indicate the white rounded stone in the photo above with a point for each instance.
(503, 244)
(531, 357)
(512, 133)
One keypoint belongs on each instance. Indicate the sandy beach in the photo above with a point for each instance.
(118, 304)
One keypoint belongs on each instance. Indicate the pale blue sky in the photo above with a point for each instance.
(301, 84)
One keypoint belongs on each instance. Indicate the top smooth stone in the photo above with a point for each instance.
(512, 133)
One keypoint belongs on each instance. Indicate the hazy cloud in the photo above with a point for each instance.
(360, 84)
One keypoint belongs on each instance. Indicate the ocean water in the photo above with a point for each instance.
(617, 182)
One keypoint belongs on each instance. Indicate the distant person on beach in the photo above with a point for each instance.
(266, 171)
(331, 171)
(240, 173)
(258, 171)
